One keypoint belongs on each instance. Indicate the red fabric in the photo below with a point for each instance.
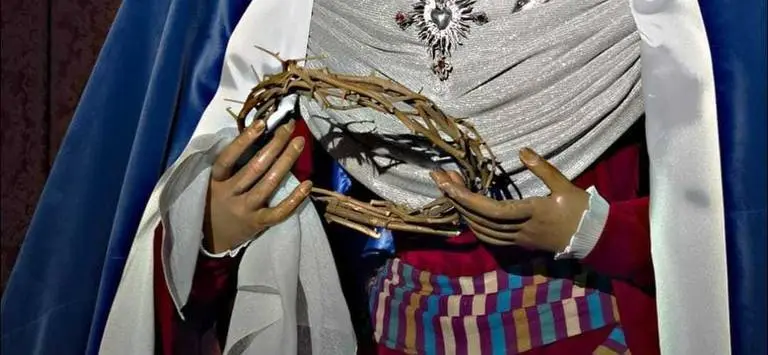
(303, 167)
(212, 287)
(623, 252)
(207, 311)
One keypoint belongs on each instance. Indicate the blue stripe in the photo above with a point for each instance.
(554, 289)
(515, 281)
(393, 318)
(498, 342)
(504, 301)
(407, 275)
(547, 322)
(594, 304)
(429, 329)
(617, 335)
(444, 282)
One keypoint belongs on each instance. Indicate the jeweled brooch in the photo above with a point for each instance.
(441, 25)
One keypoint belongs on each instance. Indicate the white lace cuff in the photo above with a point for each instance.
(590, 228)
(231, 253)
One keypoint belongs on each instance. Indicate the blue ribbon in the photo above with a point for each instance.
(385, 244)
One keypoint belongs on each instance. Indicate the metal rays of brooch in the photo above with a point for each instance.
(441, 25)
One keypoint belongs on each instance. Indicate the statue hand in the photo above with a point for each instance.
(545, 223)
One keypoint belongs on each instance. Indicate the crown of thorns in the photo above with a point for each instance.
(455, 137)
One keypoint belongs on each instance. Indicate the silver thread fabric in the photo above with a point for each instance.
(562, 78)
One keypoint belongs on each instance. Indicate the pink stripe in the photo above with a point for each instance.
(534, 326)
(460, 336)
(439, 347)
(503, 280)
(607, 306)
(541, 293)
(479, 284)
(484, 328)
(401, 323)
(517, 298)
(558, 313)
(490, 303)
(385, 323)
(581, 305)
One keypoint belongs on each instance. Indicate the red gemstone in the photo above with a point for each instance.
(400, 16)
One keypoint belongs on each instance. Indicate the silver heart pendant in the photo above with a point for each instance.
(441, 17)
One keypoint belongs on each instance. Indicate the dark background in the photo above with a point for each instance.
(48, 50)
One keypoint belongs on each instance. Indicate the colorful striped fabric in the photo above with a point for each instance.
(499, 312)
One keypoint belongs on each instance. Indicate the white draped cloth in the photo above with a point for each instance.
(287, 280)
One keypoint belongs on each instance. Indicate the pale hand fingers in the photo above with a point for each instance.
(488, 240)
(545, 171)
(503, 227)
(246, 177)
(286, 207)
(225, 162)
(264, 189)
(482, 205)
(456, 177)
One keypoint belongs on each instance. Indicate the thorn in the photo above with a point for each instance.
(235, 101)
(229, 110)
(276, 55)
(256, 74)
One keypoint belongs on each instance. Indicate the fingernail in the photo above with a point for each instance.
(256, 128)
(289, 125)
(298, 143)
(528, 155)
(306, 187)
(438, 177)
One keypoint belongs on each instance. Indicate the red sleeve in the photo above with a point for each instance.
(213, 287)
(208, 307)
(624, 248)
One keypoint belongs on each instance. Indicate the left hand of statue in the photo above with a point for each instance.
(545, 223)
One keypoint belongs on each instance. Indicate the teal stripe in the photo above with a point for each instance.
(407, 273)
(445, 285)
(596, 319)
(429, 329)
(393, 319)
(498, 343)
(547, 322)
(553, 290)
(515, 281)
(504, 301)
(617, 335)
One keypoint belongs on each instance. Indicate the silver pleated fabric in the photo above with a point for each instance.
(562, 78)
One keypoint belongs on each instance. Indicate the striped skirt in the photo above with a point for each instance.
(499, 312)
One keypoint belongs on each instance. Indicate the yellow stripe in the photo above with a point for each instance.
(529, 296)
(454, 301)
(395, 270)
(478, 305)
(467, 287)
(491, 281)
(380, 317)
(521, 328)
(473, 335)
(449, 342)
(603, 350)
(615, 308)
(571, 313)
(410, 322)
(426, 286)
(577, 292)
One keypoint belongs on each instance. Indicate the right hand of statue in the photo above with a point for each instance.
(236, 208)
